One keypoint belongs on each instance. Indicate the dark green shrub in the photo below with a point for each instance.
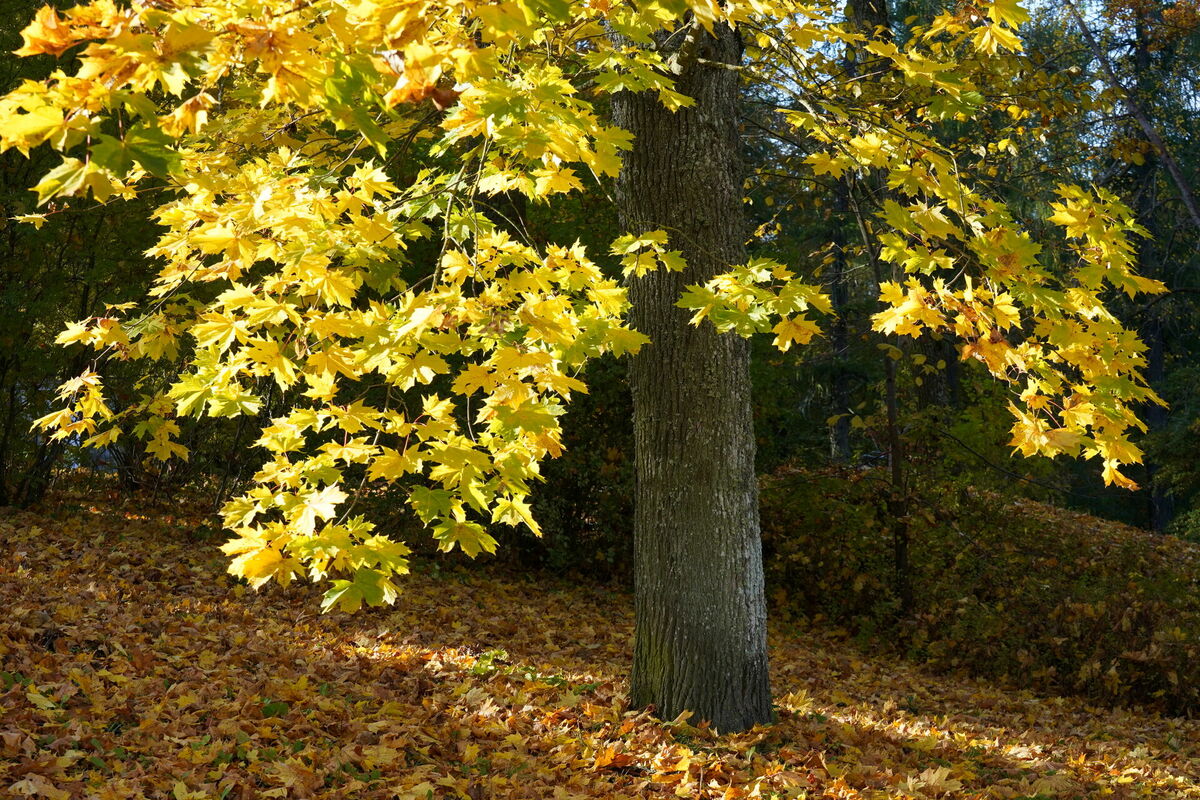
(1009, 589)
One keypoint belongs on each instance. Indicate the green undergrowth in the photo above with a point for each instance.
(1008, 589)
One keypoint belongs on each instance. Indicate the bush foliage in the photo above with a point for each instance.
(1010, 589)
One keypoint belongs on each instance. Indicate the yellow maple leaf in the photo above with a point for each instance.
(794, 330)
(48, 33)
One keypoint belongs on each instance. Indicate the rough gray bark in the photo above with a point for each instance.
(700, 642)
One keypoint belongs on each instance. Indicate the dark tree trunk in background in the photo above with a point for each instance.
(1161, 510)
(866, 16)
(701, 641)
(872, 18)
(839, 336)
(1162, 502)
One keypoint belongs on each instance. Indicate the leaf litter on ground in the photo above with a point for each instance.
(132, 666)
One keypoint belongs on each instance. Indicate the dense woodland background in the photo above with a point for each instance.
(889, 552)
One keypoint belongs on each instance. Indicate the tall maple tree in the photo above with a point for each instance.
(324, 169)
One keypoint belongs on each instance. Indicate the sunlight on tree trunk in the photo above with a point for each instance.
(701, 616)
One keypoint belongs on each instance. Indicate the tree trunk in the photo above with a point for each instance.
(700, 641)
(839, 339)
(1161, 506)
(839, 391)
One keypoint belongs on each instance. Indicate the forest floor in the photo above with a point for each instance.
(132, 666)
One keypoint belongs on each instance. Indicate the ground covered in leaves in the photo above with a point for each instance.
(131, 666)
